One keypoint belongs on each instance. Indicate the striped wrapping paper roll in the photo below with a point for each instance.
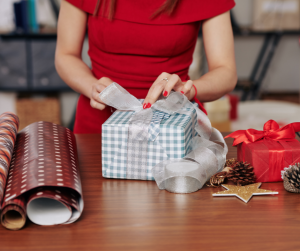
(9, 124)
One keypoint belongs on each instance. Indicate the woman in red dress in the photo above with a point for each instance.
(146, 46)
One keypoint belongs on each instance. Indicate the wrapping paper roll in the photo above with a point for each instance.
(44, 179)
(9, 124)
(13, 216)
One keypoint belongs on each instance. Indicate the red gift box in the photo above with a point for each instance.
(268, 151)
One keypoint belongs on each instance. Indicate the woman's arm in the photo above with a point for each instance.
(69, 65)
(219, 48)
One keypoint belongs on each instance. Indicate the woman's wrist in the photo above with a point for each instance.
(88, 90)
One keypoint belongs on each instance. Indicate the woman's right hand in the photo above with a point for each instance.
(97, 88)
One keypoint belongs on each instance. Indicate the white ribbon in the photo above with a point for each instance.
(208, 148)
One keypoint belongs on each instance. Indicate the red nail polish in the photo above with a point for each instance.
(145, 106)
(148, 105)
(165, 94)
(182, 92)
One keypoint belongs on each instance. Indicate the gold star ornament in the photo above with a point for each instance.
(245, 193)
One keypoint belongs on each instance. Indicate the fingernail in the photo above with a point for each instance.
(145, 106)
(182, 92)
(165, 94)
(148, 105)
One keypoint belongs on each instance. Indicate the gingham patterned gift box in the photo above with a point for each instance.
(172, 142)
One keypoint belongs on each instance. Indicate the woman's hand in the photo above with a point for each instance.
(164, 84)
(98, 87)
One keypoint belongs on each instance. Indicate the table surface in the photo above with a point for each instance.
(136, 215)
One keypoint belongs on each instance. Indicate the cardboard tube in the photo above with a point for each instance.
(13, 217)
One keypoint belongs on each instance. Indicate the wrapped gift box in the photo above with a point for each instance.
(268, 151)
(173, 141)
(268, 158)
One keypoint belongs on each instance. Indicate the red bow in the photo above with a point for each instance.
(271, 131)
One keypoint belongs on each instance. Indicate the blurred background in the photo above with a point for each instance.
(267, 47)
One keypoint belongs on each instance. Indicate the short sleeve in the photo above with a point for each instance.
(186, 11)
(85, 5)
(141, 11)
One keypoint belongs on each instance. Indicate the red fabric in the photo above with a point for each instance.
(133, 49)
(268, 151)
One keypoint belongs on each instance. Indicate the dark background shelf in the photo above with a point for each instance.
(27, 63)
(250, 87)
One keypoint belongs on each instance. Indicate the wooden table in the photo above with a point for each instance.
(136, 215)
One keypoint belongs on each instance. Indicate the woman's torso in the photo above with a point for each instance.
(133, 49)
(135, 54)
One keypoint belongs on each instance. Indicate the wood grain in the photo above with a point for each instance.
(136, 215)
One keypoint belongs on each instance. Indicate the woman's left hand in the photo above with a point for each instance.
(164, 84)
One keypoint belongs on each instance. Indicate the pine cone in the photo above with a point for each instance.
(291, 178)
(217, 179)
(230, 162)
(241, 173)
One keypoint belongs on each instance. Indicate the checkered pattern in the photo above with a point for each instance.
(154, 127)
(172, 142)
(138, 145)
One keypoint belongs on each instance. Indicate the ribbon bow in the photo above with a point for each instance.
(143, 120)
(271, 131)
(205, 150)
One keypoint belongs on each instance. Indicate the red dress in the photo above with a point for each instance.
(133, 49)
